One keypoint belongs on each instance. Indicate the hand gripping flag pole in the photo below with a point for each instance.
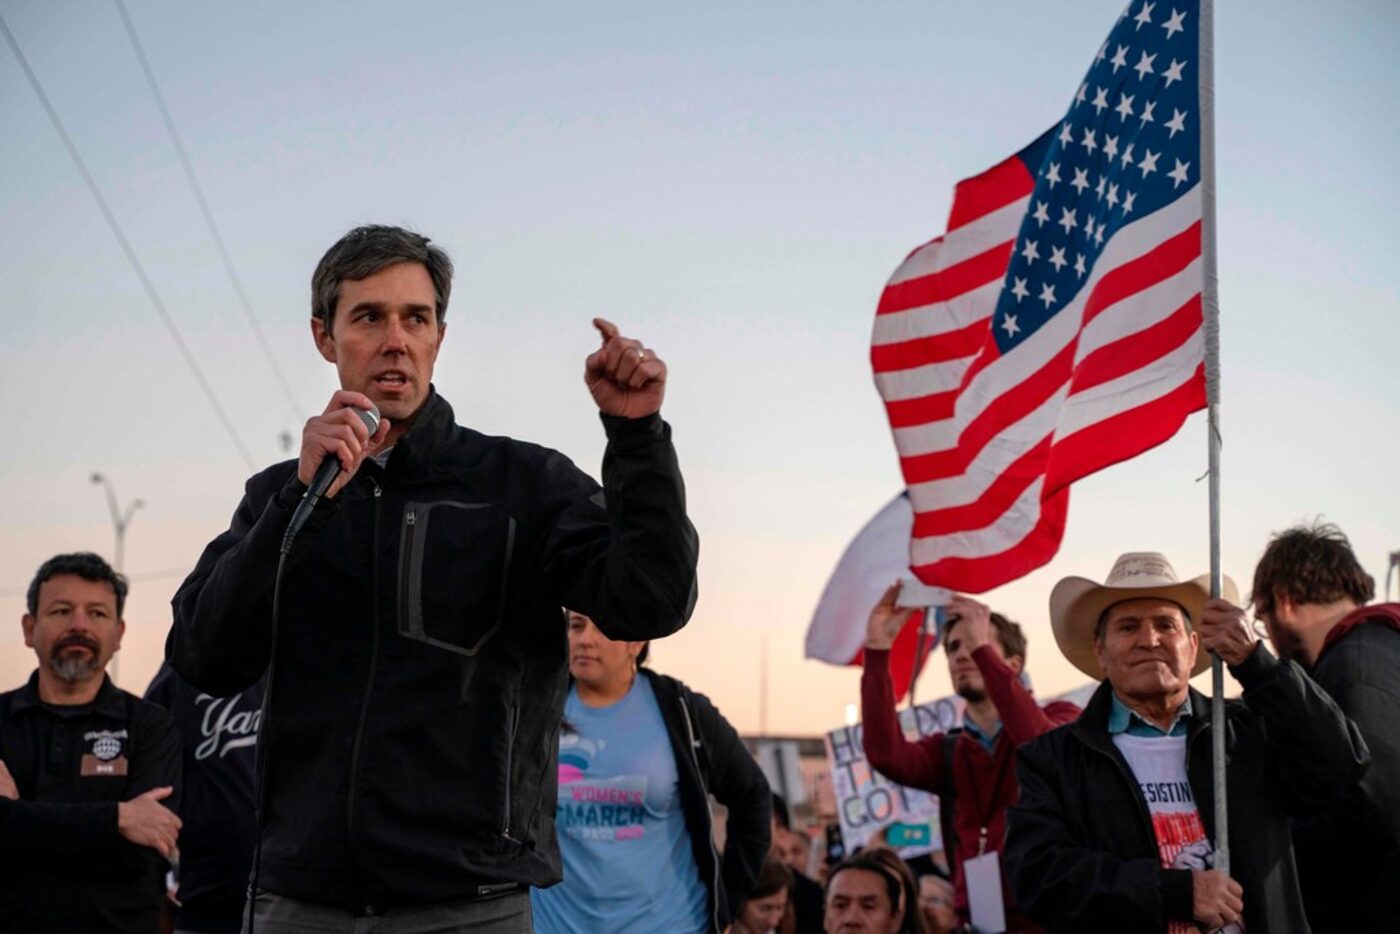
(1211, 322)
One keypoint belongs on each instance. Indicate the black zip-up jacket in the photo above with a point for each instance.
(1080, 851)
(1349, 854)
(712, 760)
(413, 718)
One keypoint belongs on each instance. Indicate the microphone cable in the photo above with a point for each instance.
(325, 476)
(265, 736)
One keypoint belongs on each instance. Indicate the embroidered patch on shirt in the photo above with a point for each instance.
(105, 754)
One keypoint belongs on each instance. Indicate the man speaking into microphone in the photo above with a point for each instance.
(418, 655)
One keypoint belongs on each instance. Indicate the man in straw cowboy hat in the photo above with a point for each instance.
(1113, 828)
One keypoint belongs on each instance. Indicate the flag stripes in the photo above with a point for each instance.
(989, 443)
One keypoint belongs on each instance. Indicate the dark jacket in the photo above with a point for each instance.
(414, 709)
(982, 784)
(1349, 854)
(217, 739)
(712, 760)
(1081, 853)
(64, 866)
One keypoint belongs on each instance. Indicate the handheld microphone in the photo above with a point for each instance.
(321, 482)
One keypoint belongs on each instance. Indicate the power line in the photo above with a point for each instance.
(208, 214)
(136, 266)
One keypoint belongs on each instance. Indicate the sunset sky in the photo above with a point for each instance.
(730, 182)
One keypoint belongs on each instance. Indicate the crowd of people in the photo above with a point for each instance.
(1103, 819)
(376, 715)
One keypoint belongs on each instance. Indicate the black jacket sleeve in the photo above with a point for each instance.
(629, 565)
(1317, 752)
(1066, 886)
(221, 638)
(738, 783)
(1358, 674)
(59, 828)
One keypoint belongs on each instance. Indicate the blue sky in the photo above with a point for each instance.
(731, 182)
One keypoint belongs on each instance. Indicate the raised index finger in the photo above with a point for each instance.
(605, 328)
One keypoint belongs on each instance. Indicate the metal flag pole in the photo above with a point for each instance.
(1210, 303)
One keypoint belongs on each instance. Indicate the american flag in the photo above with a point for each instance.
(1056, 328)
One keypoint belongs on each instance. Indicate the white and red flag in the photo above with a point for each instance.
(1056, 328)
(877, 557)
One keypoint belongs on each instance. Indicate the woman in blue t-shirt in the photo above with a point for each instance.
(638, 757)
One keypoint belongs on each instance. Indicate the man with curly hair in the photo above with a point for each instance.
(1314, 597)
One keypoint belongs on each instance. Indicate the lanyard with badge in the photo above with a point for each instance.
(982, 873)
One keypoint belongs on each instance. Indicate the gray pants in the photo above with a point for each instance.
(505, 914)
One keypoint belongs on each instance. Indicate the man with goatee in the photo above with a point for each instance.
(976, 765)
(88, 773)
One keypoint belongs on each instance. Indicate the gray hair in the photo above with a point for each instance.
(366, 250)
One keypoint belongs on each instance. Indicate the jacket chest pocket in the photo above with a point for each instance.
(454, 561)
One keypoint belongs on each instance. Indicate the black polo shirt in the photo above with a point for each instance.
(64, 867)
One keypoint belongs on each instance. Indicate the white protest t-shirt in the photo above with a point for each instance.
(1159, 765)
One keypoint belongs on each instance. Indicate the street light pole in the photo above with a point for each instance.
(121, 519)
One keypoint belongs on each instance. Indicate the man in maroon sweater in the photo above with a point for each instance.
(1001, 715)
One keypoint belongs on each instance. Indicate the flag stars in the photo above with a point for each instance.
(1110, 147)
(1079, 97)
(1144, 66)
(1088, 229)
(1066, 135)
(1057, 258)
(1148, 163)
(1098, 188)
(1146, 115)
(1081, 180)
(1030, 252)
(1079, 266)
(1176, 124)
(1178, 174)
(1088, 141)
(1052, 175)
(1069, 219)
(1127, 159)
(1128, 198)
(1120, 59)
(1100, 100)
(1173, 73)
(1042, 213)
(1098, 235)
(1173, 23)
(1144, 18)
(1112, 196)
(1018, 288)
(1009, 325)
(1125, 106)
(1047, 291)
